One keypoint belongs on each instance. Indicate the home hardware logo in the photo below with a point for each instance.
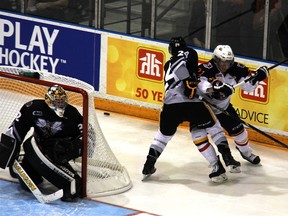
(150, 64)
(259, 95)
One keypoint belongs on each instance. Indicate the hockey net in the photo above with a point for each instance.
(101, 171)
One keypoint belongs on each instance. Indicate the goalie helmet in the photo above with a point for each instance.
(56, 98)
(223, 57)
(176, 44)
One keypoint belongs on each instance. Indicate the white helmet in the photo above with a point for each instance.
(223, 54)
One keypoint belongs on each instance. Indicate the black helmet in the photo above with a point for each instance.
(176, 44)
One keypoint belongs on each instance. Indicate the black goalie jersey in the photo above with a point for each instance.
(46, 123)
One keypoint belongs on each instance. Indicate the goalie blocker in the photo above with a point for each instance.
(8, 151)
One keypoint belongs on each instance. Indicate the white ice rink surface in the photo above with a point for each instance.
(181, 185)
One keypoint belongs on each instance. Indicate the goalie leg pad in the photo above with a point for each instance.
(8, 150)
(64, 177)
(31, 172)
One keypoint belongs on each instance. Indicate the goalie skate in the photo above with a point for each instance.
(218, 173)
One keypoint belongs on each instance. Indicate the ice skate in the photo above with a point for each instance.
(149, 168)
(254, 159)
(232, 165)
(218, 173)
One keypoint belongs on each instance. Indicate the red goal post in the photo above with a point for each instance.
(102, 173)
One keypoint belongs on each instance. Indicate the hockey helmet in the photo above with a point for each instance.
(176, 44)
(57, 99)
(223, 57)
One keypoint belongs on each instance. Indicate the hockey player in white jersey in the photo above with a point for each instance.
(217, 78)
(180, 105)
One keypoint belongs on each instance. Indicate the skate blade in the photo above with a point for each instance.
(234, 169)
(219, 179)
(145, 177)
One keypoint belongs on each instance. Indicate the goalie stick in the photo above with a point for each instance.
(42, 198)
(251, 77)
(245, 123)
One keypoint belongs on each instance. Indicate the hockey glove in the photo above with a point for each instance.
(260, 74)
(9, 151)
(66, 150)
(189, 87)
(222, 88)
(62, 150)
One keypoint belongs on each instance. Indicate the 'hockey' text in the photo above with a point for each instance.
(27, 60)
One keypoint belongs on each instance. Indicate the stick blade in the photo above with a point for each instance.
(52, 197)
(42, 198)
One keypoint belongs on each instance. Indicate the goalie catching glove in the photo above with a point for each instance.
(259, 75)
(190, 86)
(60, 151)
(222, 89)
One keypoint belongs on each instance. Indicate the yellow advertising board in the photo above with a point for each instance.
(135, 71)
(267, 105)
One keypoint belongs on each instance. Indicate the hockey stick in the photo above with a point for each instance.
(245, 123)
(42, 198)
(251, 77)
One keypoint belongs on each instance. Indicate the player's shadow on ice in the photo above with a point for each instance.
(253, 179)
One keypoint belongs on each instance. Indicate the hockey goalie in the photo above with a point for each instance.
(56, 140)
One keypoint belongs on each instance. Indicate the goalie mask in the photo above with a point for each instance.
(56, 98)
(223, 57)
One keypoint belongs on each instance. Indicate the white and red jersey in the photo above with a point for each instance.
(207, 72)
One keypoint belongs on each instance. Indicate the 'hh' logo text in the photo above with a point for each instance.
(150, 64)
(260, 94)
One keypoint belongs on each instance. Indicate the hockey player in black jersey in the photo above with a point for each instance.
(217, 78)
(180, 105)
(56, 139)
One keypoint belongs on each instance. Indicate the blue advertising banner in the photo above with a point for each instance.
(45, 46)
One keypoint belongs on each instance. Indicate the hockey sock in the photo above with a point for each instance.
(208, 153)
(154, 153)
(242, 143)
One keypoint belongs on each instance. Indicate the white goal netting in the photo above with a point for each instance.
(105, 174)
